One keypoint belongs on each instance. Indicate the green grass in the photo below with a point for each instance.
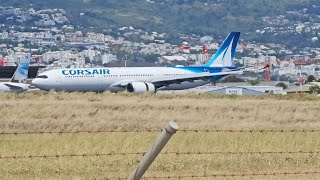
(121, 166)
(72, 112)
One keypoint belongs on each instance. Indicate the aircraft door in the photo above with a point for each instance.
(58, 77)
(101, 84)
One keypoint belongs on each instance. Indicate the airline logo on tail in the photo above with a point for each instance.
(21, 73)
(225, 54)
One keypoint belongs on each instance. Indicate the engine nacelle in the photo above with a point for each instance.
(140, 87)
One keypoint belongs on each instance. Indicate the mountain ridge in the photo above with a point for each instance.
(204, 17)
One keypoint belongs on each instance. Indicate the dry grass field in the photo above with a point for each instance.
(72, 112)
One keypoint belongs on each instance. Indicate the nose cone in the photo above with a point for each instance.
(38, 83)
(35, 82)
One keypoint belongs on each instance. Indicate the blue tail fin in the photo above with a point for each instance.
(21, 73)
(225, 54)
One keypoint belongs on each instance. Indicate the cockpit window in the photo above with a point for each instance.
(42, 77)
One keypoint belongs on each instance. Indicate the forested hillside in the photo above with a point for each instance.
(216, 17)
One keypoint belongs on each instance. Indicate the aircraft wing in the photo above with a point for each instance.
(163, 81)
(189, 77)
(14, 87)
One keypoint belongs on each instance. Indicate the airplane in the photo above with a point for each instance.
(20, 75)
(143, 79)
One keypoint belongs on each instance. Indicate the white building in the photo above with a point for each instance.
(267, 59)
(202, 58)
(287, 68)
(172, 58)
(247, 90)
(73, 59)
(107, 58)
(90, 53)
(306, 69)
(18, 56)
(53, 56)
(249, 61)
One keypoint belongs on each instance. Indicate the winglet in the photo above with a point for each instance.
(225, 54)
(21, 73)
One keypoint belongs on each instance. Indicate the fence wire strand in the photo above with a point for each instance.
(236, 175)
(79, 132)
(159, 130)
(69, 155)
(250, 130)
(164, 153)
(225, 175)
(242, 152)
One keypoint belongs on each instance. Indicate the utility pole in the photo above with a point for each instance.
(125, 61)
(300, 79)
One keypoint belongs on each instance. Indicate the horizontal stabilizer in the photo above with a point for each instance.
(13, 86)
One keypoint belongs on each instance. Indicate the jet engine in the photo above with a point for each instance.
(140, 87)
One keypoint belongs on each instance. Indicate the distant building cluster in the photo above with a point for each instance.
(44, 17)
(54, 41)
(302, 21)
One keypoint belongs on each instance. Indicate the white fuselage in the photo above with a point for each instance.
(108, 79)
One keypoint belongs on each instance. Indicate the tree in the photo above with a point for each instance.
(231, 79)
(254, 82)
(54, 48)
(283, 78)
(283, 85)
(315, 89)
(238, 64)
(87, 60)
(58, 38)
(311, 78)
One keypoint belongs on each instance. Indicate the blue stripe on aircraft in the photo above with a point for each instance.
(200, 69)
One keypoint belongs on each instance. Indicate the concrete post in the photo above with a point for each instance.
(150, 156)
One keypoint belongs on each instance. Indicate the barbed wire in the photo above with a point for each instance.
(163, 153)
(159, 130)
(110, 178)
(222, 175)
(251, 130)
(236, 175)
(79, 132)
(70, 155)
(242, 152)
